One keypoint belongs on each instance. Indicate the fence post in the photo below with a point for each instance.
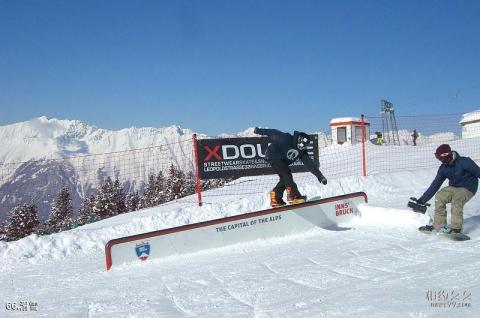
(198, 185)
(364, 161)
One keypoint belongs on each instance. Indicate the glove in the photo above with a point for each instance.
(419, 201)
(323, 180)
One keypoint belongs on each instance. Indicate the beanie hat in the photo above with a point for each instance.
(443, 150)
(444, 153)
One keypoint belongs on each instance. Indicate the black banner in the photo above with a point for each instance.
(240, 157)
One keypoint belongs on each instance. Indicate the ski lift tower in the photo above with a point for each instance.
(389, 123)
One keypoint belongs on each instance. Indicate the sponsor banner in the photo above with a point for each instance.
(332, 213)
(240, 157)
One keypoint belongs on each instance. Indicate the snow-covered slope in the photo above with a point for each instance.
(382, 267)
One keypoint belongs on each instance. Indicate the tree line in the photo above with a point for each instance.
(109, 200)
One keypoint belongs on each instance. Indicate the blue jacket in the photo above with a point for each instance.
(284, 148)
(461, 172)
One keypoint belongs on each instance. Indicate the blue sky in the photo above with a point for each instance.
(223, 66)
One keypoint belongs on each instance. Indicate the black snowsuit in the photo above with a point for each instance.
(281, 153)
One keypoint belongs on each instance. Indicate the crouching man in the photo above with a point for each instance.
(462, 174)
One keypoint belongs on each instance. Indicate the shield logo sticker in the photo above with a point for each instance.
(143, 250)
(292, 154)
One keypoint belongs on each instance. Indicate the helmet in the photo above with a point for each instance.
(303, 141)
(444, 153)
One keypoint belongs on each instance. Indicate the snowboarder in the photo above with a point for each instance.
(462, 174)
(283, 151)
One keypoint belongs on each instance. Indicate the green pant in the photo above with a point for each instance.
(457, 197)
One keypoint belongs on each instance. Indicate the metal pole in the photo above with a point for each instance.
(198, 185)
(364, 161)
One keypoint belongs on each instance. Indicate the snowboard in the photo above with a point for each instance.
(453, 237)
(308, 200)
(316, 198)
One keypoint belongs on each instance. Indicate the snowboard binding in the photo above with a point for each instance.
(417, 207)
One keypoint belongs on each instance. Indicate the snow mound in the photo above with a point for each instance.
(382, 257)
(386, 211)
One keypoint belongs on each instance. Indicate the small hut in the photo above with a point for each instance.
(471, 124)
(348, 130)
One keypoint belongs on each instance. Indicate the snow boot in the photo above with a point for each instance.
(454, 231)
(426, 228)
(274, 201)
(294, 199)
(453, 234)
(448, 230)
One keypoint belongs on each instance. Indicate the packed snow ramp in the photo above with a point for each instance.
(331, 213)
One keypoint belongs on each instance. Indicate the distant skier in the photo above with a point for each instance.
(462, 174)
(379, 138)
(414, 137)
(283, 151)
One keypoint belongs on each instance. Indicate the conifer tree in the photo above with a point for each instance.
(104, 205)
(214, 183)
(22, 222)
(132, 201)
(148, 197)
(176, 183)
(160, 185)
(61, 216)
(3, 231)
(86, 213)
(119, 197)
(189, 184)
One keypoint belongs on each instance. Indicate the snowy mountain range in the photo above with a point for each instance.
(25, 176)
(52, 138)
